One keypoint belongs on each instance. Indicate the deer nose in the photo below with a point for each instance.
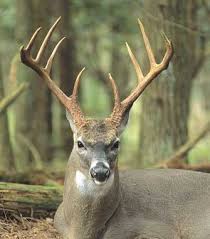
(100, 172)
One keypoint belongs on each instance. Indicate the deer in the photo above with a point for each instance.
(100, 201)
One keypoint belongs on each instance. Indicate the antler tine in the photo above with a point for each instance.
(76, 85)
(135, 63)
(32, 40)
(50, 60)
(169, 50)
(147, 45)
(46, 40)
(115, 91)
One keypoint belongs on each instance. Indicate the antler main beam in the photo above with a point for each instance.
(44, 72)
(143, 81)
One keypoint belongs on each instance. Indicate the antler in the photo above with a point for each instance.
(143, 81)
(44, 72)
(71, 102)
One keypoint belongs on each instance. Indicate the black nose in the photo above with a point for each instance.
(100, 172)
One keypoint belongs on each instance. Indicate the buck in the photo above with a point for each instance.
(99, 202)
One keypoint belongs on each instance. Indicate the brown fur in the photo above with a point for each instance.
(95, 131)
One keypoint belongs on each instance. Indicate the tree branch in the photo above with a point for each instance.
(8, 100)
(175, 161)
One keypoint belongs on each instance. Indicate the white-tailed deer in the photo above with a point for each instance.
(101, 203)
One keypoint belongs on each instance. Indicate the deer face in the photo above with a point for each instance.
(97, 145)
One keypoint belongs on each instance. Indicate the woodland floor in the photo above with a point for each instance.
(30, 228)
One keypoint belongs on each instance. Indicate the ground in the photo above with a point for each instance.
(22, 228)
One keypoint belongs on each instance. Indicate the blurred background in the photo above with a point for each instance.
(169, 122)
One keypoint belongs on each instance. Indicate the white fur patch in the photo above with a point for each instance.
(80, 180)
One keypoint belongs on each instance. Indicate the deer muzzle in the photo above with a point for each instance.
(100, 172)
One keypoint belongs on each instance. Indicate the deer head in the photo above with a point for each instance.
(96, 142)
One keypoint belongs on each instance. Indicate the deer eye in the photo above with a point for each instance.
(115, 145)
(80, 144)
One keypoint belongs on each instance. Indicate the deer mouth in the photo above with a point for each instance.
(99, 182)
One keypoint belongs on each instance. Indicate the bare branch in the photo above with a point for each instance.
(175, 161)
(8, 100)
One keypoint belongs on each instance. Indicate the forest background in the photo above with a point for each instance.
(173, 112)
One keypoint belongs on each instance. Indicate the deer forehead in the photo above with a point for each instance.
(95, 131)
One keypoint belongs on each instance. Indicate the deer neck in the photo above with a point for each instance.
(87, 206)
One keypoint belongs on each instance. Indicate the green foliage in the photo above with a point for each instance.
(201, 152)
(108, 13)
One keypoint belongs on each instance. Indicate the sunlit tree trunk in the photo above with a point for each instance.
(166, 103)
(6, 154)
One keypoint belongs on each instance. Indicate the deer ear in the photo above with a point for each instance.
(124, 121)
(71, 122)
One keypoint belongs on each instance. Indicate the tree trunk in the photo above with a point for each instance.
(67, 68)
(23, 107)
(29, 200)
(7, 162)
(165, 105)
(41, 120)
